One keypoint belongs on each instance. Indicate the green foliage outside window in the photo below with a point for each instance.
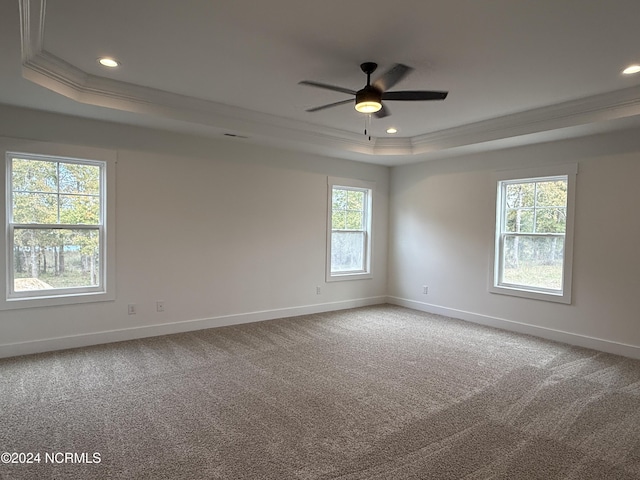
(535, 217)
(348, 225)
(347, 209)
(55, 193)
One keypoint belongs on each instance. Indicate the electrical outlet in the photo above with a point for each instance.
(425, 289)
(131, 309)
(160, 306)
(318, 290)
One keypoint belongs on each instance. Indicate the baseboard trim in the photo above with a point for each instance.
(110, 336)
(600, 344)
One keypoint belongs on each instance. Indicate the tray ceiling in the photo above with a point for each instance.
(517, 72)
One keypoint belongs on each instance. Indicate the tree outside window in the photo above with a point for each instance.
(56, 225)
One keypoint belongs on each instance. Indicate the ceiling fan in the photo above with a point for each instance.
(369, 99)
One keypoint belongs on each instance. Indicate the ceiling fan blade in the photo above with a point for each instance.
(383, 112)
(328, 87)
(413, 95)
(391, 77)
(343, 102)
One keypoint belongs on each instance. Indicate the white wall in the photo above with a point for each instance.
(442, 224)
(219, 230)
(225, 232)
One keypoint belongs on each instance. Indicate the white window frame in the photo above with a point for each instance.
(368, 188)
(105, 291)
(537, 174)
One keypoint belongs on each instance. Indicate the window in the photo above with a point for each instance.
(534, 234)
(349, 230)
(56, 230)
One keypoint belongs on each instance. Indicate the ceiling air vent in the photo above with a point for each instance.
(233, 135)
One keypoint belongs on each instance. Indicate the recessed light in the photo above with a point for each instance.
(631, 69)
(108, 62)
(392, 130)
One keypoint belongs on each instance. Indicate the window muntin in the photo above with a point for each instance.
(534, 234)
(349, 241)
(56, 229)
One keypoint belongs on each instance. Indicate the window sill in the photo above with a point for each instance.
(337, 277)
(532, 294)
(57, 300)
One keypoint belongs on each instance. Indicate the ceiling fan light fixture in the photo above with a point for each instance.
(368, 107)
(368, 100)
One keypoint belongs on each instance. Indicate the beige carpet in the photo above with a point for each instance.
(371, 393)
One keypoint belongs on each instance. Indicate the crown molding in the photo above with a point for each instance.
(582, 111)
(53, 73)
(49, 71)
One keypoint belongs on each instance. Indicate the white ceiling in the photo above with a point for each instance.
(517, 71)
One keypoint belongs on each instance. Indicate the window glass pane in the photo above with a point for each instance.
(355, 200)
(50, 258)
(520, 220)
(533, 261)
(520, 195)
(338, 220)
(77, 178)
(339, 199)
(551, 194)
(551, 220)
(79, 209)
(35, 207)
(347, 251)
(354, 220)
(348, 209)
(34, 176)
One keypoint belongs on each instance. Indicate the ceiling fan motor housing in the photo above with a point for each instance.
(368, 94)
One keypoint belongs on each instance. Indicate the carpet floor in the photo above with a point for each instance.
(377, 393)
